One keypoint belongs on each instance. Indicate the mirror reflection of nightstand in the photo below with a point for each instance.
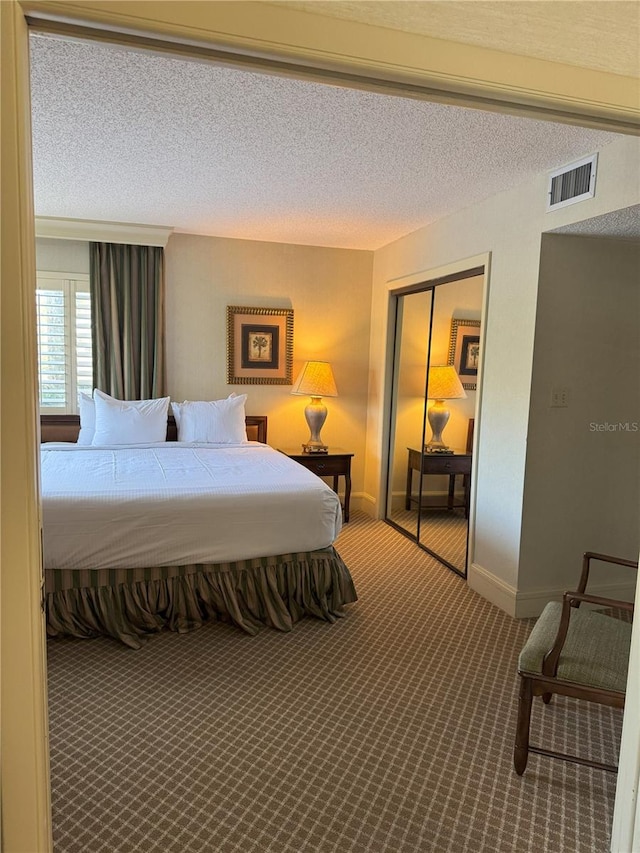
(335, 463)
(449, 464)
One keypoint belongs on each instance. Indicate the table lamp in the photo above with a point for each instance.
(443, 384)
(315, 380)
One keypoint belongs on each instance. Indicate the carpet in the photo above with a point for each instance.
(390, 731)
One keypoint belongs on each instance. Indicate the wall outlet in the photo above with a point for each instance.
(560, 398)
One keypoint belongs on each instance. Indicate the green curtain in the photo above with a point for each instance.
(127, 301)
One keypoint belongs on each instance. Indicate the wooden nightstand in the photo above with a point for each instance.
(450, 464)
(335, 463)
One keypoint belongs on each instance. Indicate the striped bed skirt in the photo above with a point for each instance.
(129, 604)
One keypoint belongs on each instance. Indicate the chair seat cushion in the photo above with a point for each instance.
(596, 651)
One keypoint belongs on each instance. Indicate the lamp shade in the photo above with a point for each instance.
(444, 383)
(315, 380)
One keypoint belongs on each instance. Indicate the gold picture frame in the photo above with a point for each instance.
(259, 346)
(464, 351)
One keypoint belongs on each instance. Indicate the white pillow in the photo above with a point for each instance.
(87, 419)
(214, 422)
(177, 408)
(129, 421)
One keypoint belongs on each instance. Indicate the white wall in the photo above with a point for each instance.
(55, 255)
(330, 293)
(582, 484)
(509, 226)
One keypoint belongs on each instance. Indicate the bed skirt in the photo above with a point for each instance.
(130, 603)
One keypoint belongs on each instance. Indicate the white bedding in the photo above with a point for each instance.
(174, 504)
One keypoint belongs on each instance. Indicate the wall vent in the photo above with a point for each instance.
(572, 183)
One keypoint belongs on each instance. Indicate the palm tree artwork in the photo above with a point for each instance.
(260, 343)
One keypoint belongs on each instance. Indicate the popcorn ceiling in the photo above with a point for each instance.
(131, 136)
(621, 224)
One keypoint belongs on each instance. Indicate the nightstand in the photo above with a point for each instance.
(451, 464)
(335, 463)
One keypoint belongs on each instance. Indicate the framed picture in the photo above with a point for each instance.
(259, 346)
(464, 351)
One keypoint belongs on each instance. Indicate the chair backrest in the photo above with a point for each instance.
(575, 652)
(469, 445)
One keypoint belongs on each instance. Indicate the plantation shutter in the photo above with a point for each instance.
(65, 368)
(53, 336)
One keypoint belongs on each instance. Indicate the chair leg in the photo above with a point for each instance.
(546, 698)
(521, 750)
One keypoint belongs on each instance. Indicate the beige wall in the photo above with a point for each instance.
(509, 226)
(330, 293)
(582, 490)
(62, 255)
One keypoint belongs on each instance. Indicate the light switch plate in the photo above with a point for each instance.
(559, 398)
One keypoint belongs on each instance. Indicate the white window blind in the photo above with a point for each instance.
(84, 356)
(65, 369)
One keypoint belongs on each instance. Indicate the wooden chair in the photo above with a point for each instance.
(581, 653)
(470, 429)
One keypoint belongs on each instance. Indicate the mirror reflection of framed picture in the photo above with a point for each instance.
(259, 346)
(464, 351)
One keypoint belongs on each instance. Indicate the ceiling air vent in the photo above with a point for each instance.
(572, 183)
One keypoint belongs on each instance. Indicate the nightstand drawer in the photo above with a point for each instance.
(441, 464)
(324, 466)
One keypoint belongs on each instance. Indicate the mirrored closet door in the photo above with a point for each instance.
(411, 357)
(435, 362)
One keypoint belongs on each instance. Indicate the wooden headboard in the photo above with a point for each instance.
(67, 427)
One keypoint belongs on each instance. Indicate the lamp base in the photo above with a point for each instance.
(438, 417)
(315, 414)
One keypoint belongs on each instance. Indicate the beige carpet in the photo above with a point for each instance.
(388, 732)
(443, 532)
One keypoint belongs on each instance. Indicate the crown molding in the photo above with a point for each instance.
(102, 232)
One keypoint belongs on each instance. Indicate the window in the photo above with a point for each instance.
(65, 365)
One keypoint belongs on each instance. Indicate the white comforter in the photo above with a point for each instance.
(174, 504)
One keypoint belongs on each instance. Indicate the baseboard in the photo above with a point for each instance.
(526, 605)
(529, 604)
(495, 590)
(435, 497)
(364, 502)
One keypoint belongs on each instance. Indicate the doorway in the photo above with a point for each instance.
(436, 357)
(25, 675)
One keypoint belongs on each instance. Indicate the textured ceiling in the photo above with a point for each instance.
(621, 224)
(131, 136)
(600, 34)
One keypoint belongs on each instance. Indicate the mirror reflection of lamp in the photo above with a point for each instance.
(316, 381)
(443, 384)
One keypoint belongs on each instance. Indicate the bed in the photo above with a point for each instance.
(142, 538)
